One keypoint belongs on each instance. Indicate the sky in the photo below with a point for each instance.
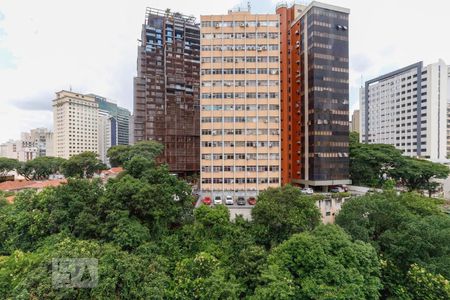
(91, 47)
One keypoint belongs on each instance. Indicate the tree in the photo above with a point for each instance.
(427, 286)
(281, 212)
(121, 275)
(418, 174)
(202, 277)
(366, 218)
(7, 165)
(407, 229)
(322, 264)
(425, 242)
(369, 162)
(119, 155)
(41, 168)
(82, 165)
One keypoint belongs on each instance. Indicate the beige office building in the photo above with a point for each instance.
(355, 121)
(240, 103)
(75, 121)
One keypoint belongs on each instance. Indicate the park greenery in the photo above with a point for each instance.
(151, 243)
(372, 164)
(83, 165)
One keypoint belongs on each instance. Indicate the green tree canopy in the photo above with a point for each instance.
(41, 168)
(322, 264)
(281, 212)
(418, 174)
(119, 155)
(407, 229)
(369, 162)
(82, 165)
(7, 165)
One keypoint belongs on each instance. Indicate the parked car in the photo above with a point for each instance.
(229, 200)
(251, 200)
(337, 189)
(207, 201)
(307, 191)
(217, 200)
(240, 201)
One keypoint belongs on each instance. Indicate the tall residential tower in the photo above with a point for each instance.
(166, 89)
(240, 103)
(314, 94)
(407, 108)
(75, 122)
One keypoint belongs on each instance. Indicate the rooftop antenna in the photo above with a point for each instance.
(249, 7)
(70, 87)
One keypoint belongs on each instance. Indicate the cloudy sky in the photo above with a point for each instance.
(90, 45)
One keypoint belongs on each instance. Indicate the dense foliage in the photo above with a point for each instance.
(119, 155)
(83, 165)
(412, 237)
(151, 243)
(7, 165)
(41, 168)
(372, 164)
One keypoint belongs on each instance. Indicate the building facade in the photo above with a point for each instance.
(315, 94)
(407, 108)
(123, 126)
(36, 143)
(75, 121)
(166, 89)
(356, 121)
(240, 103)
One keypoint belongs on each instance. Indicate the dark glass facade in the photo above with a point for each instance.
(325, 93)
(166, 89)
(315, 94)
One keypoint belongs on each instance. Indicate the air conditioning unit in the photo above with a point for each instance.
(259, 49)
(242, 24)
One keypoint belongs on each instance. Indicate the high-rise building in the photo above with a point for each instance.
(314, 94)
(448, 113)
(123, 126)
(407, 108)
(240, 103)
(166, 89)
(355, 121)
(75, 121)
(121, 117)
(107, 134)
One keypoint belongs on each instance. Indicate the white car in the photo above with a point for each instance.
(307, 191)
(229, 200)
(217, 200)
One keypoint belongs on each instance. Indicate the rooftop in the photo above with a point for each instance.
(19, 185)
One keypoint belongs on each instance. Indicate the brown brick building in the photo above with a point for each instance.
(166, 89)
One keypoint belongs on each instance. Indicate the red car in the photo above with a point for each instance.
(251, 200)
(207, 201)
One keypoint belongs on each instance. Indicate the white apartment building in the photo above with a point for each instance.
(240, 104)
(38, 142)
(407, 108)
(75, 119)
(107, 131)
